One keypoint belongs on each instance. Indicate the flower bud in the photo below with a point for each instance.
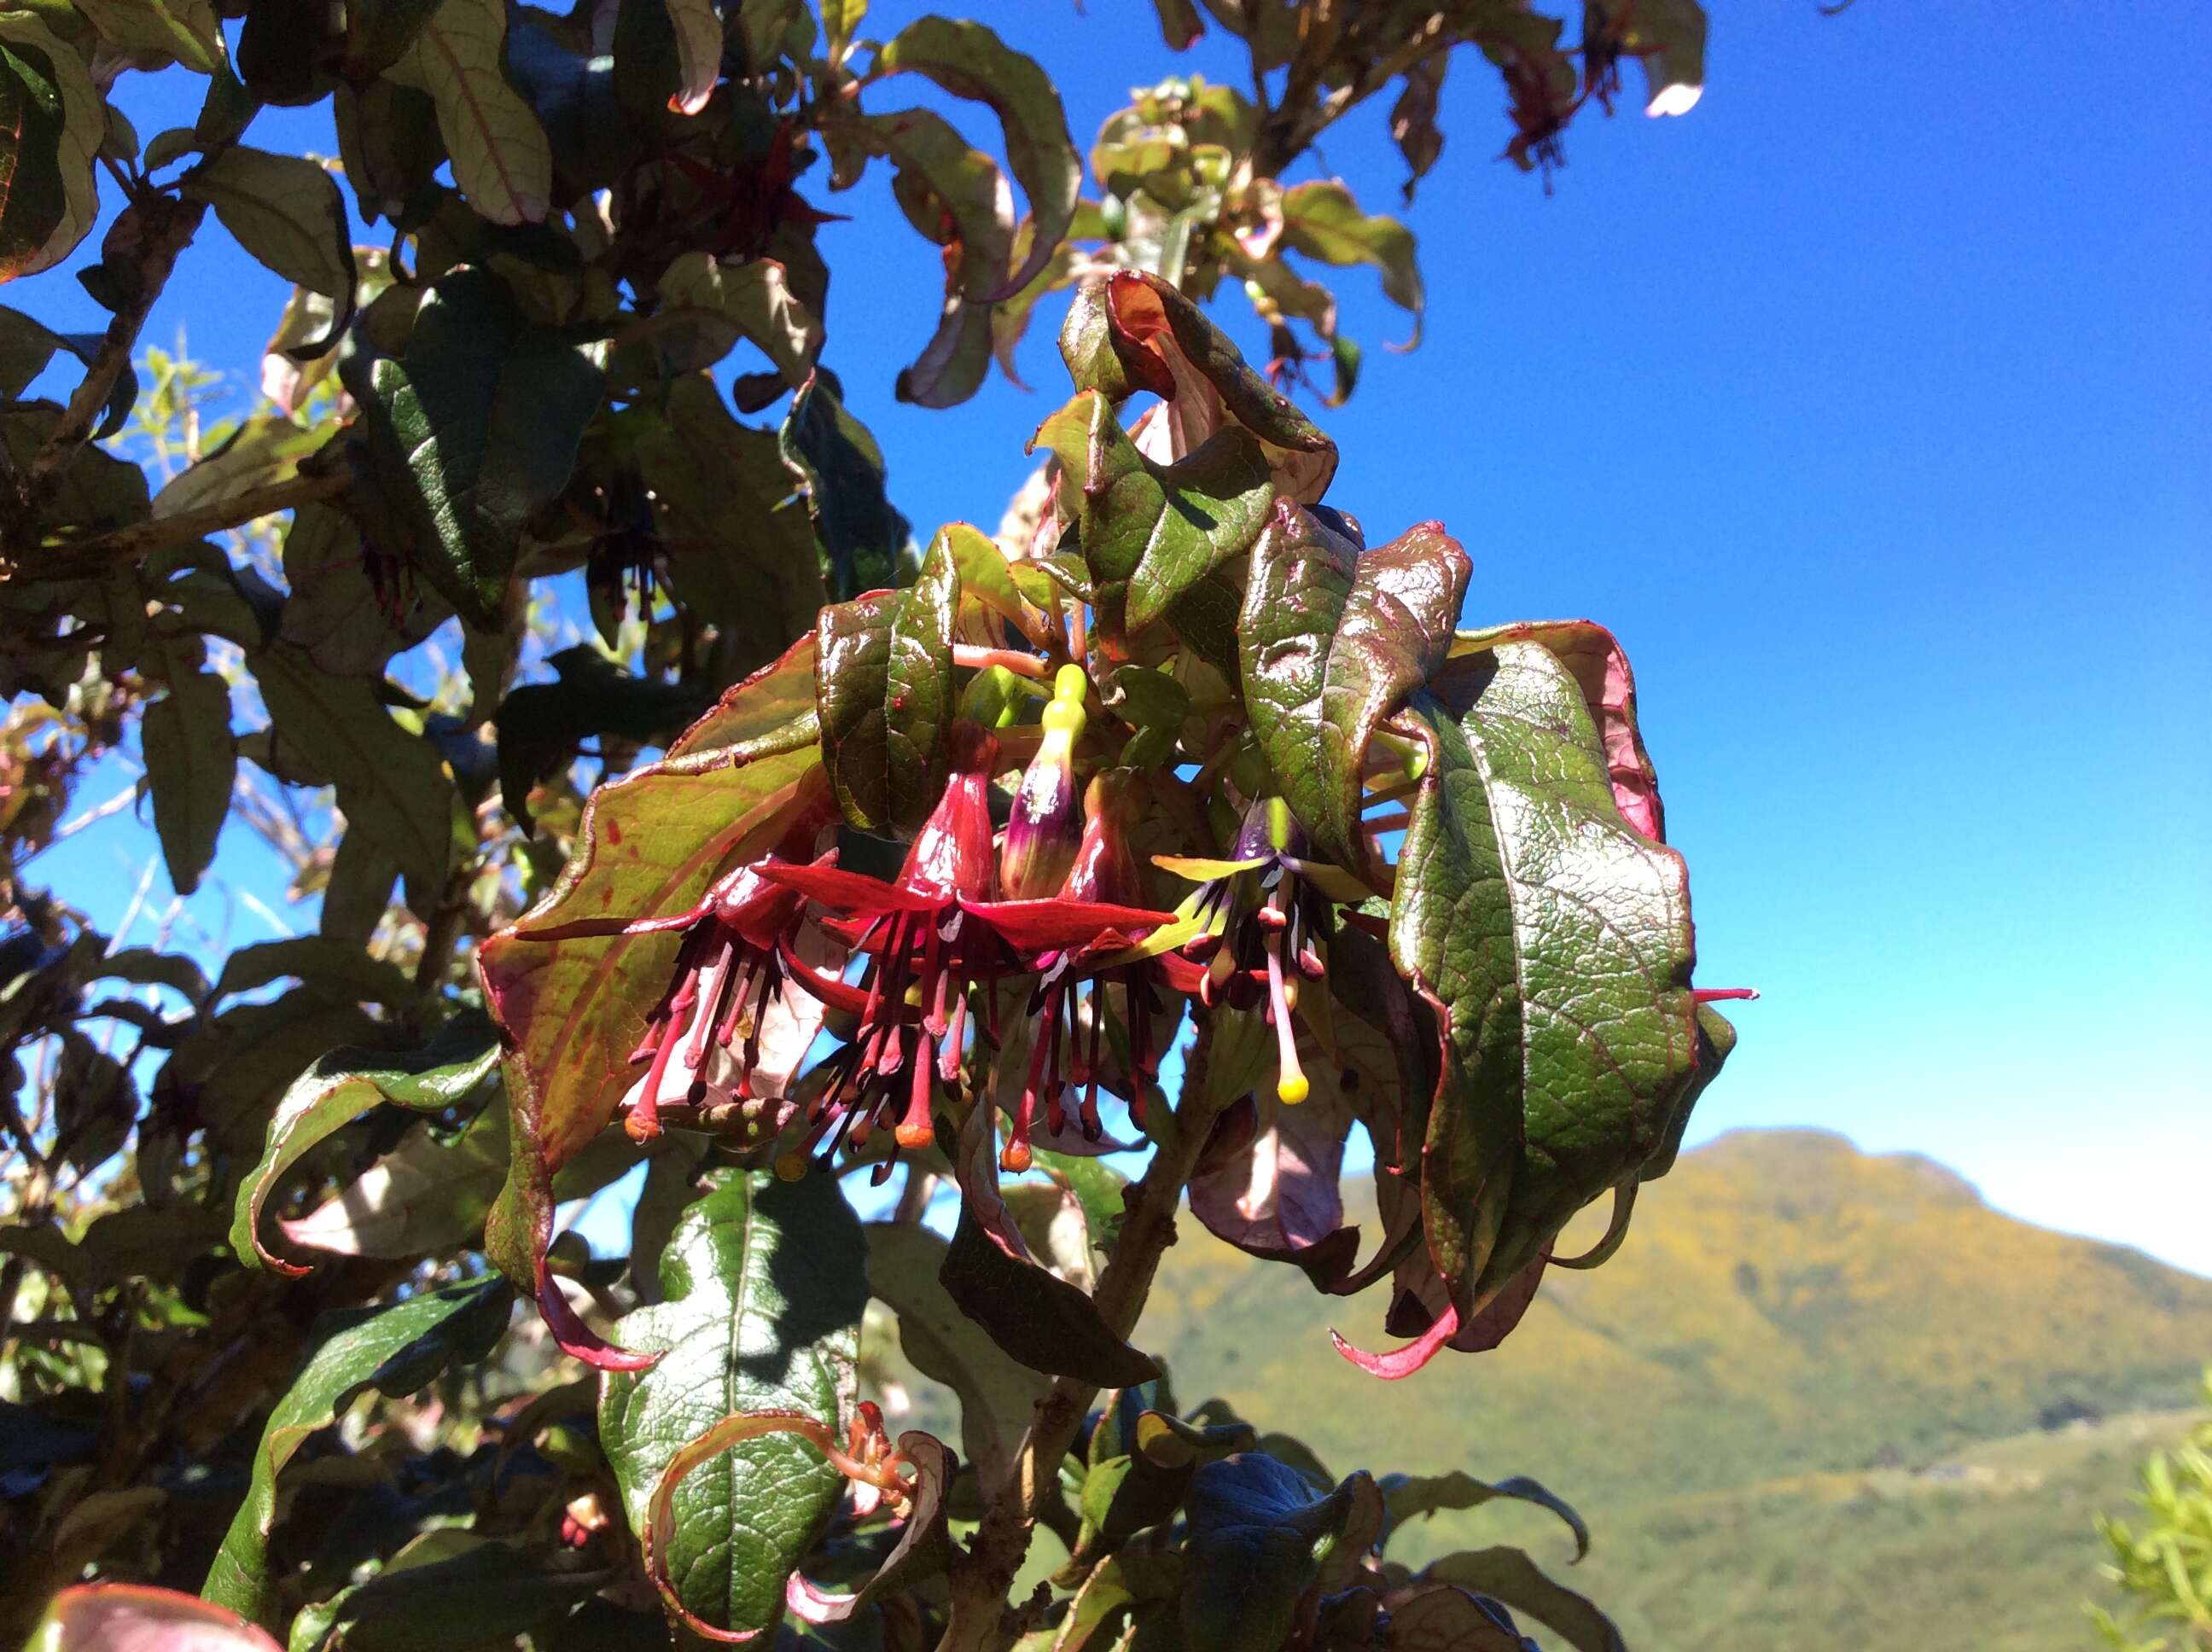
(1045, 828)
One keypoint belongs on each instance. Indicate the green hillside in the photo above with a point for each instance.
(1770, 1403)
(1821, 1399)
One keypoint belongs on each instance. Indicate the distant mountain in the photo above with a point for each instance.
(1775, 1404)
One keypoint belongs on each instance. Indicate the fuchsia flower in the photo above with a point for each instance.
(931, 935)
(1258, 923)
(1104, 872)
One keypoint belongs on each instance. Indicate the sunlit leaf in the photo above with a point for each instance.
(285, 211)
(55, 120)
(765, 1283)
(502, 160)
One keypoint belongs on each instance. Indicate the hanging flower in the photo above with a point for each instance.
(1069, 1022)
(1258, 924)
(930, 936)
(1045, 830)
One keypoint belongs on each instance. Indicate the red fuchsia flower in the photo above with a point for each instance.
(1258, 924)
(930, 936)
(1104, 872)
(728, 972)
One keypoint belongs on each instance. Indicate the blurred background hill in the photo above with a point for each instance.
(1822, 1399)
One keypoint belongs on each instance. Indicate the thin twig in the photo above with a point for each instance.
(90, 557)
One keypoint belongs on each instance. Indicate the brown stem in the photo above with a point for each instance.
(985, 1571)
(170, 225)
(88, 558)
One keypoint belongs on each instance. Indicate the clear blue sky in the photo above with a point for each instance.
(1871, 404)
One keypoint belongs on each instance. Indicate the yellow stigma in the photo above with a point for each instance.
(1292, 1089)
(791, 1167)
(1064, 718)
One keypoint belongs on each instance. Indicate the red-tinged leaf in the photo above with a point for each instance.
(575, 1008)
(1601, 670)
(1166, 344)
(924, 1547)
(1331, 640)
(137, 1618)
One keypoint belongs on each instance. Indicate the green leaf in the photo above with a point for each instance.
(754, 299)
(840, 21)
(286, 211)
(265, 449)
(379, 33)
(1509, 1576)
(358, 892)
(335, 615)
(738, 548)
(397, 1350)
(54, 120)
(391, 785)
(342, 1085)
(1600, 669)
(450, 1589)
(1332, 639)
(766, 1283)
(576, 1006)
(1131, 331)
(27, 346)
(1322, 220)
(997, 1396)
(475, 428)
(501, 159)
(191, 763)
(883, 688)
(1153, 535)
(1407, 1496)
(1556, 941)
(541, 723)
(1258, 1534)
(1035, 1317)
(970, 61)
(183, 29)
(1667, 37)
(957, 197)
(830, 454)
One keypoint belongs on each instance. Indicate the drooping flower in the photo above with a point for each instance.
(930, 936)
(703, 1040)
(1258, 924)
(1070, 1025)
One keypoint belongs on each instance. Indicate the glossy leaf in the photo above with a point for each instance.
(970, 61)
(765, 1282)
(1600, 668)
(998, 1397)
(191, 763)
(883, 687)
(1257, 1533)
(1509, 1576)
(396, 1350)
(285, 211)
(475, 428)
(391, 785)
(340, 1087)
(1152, 535)
(48, 103)
(1331, 641)
(501, 159)
(1556, 941)
(1322, 220)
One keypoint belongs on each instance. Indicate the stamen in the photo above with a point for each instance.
(1290, 1085)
